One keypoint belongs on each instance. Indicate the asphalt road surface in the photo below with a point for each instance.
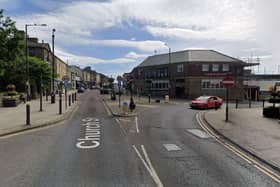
(161, 147)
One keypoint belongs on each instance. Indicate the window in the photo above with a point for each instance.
(180, 68)
(205, 67)
(225, 67)
(139, 72)
(215, 67)
(212, 84)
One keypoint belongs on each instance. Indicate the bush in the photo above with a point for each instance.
(11, 101)
(271, 112)
(11, 93)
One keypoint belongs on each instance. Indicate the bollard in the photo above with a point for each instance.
(65, 97)
(72, 98)
(236, 103)
(60, 103)
(27, 114)
(69, 100)
(249, 102)
(41, 101)
(75, 96)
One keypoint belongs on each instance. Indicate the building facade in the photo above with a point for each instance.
(258, 86)
(188, 74)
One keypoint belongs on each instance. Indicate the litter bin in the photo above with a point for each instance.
(125, 107)
(167, 99)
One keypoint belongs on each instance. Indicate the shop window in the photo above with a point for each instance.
(212, 84)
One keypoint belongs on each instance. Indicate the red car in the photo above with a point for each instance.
(204, 102)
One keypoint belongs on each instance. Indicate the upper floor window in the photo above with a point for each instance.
(225, 67)
(215, 67)
(205, 67)
(180, 68)
(139, 72)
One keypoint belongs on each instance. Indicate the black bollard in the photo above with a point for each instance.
(72, 98)
(236, 103)
(27, 114)
(60, 103)
(69, 100)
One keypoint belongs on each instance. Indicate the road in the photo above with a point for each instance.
(93, 148)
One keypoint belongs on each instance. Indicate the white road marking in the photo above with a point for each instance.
(92, 135)
(126, 120)
(199, 133)
(136, 124)
(158, 182)
(148, 165)
(121, 127)
(172, 147)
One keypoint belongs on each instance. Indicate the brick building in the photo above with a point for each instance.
(188, 74)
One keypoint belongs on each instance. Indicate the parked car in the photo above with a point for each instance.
(205, 102)
(81, 90)
(105, 90)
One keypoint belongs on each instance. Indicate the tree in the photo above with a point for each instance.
(38, 68)
(12, 66)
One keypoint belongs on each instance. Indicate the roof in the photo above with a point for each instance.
(39, 45)
(188, 56)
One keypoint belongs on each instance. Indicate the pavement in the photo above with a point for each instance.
(162, 146)
(13, 119)
(250, 130)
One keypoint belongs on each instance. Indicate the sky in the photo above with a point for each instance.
(114, 36)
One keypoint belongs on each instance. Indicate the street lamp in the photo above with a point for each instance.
(53, 59)
(27, 88)
(169, 68)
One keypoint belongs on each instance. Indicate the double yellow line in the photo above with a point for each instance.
(261, 167)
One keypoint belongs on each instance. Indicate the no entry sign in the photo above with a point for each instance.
(228, 82)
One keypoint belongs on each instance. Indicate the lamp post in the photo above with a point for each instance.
(27, 88)
(53, 59)
(169, 68)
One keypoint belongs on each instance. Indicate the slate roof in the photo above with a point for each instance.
(188, 56)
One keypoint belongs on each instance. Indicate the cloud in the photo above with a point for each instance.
(224, 24)
(133, 55)
(87, 60)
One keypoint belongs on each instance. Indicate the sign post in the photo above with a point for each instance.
(228, 82)
(119, 79)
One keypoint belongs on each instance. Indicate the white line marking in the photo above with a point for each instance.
(157, 180)
(126, 120)
(148, 165)
(136, 124)
(172, 147)
(121, 127)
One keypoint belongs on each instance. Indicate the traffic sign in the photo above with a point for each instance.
(228, 82)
